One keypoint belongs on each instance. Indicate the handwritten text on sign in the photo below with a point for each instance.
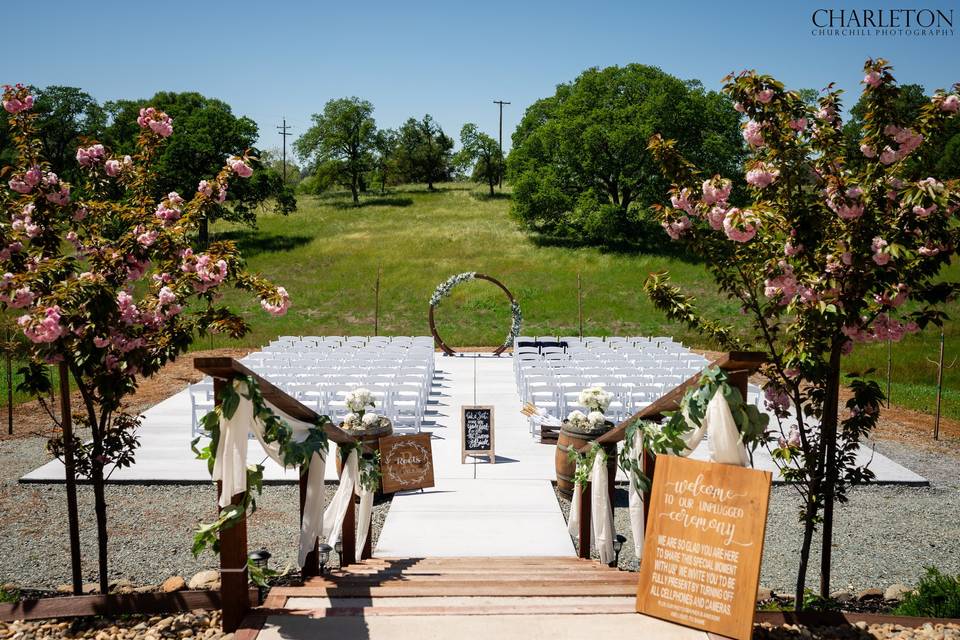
(477, 431)
(406, 462)
(703, 544)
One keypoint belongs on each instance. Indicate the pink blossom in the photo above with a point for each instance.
(90, 156)
(79, 214)
(33, 176)
(682, 201)
(277, 309)
(239, 167)
(922, 212)
(99, 342)
(210, 273)
(765, 96)
(761, 176)
(790, 250)
(879, 255)
(740, 226)
(873, 79)
(677, 228)
(798, 124)
(888, 156)
(222, 195)
(157, 121)
(715, 217)
(113, 167)
(127, 162)
(950, 104)
(849, 211)
(846, 258)
(931, 184)
(167, 213)
(46, 330)
(147, 238)
(15, 105)
(777, 398)
(166, 296)
(928, 250)
(715, 191)
(205, 188)
(19, 185)
(868, 151)
(753, 133)
(782, 287)
(22, 297)
(129, 313)
(61, 197)
(739, 107)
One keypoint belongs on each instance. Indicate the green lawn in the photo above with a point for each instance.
(328, 252)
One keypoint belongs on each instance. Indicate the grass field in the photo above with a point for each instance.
(328, 252)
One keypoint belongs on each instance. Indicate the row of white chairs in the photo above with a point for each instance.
(321, 370)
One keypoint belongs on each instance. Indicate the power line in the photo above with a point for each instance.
(284, 131)
(500, 176)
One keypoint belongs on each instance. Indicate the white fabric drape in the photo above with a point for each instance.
(230, 467)
(601, 516)
(573, 524)
(364, 513)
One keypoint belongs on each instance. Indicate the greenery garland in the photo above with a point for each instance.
(584, 462)
(442, 291)
(668, 437)
(275, 429)
(368, 465)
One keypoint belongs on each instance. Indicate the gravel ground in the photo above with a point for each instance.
(884, 535)
(150, 527)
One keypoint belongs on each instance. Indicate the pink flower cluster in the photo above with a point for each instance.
(873, 79)
(16, 99)
(849, 206)
(716, 190)
(169, 210)
(129, 313)
(884, 328)
(907, 141)
(950, 104)
(210, 273)
(777, 398)
(676, 228)
(761, 175)
(90, 156)
(782, 287)
(157, 121)
(46, 330)
(880, 255)
(26, 182)
(277, 309)
(894, 299)
(239, 167)
(792, 441)
(740, 225)
(753, 133)
(114, 167)
(23, 222)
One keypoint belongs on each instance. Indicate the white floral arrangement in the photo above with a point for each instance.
(359, 417)
(595, 398)
(592, 420)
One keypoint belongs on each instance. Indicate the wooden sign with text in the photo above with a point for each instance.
(703, 545)
(476, 422)
(406, 462)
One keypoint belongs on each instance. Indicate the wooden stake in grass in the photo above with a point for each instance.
(376, 304)
(7, 349)
(580, 304)
(940, 367)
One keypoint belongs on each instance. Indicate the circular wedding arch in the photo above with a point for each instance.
(444, 290)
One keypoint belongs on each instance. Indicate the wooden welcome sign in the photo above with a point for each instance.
(406, 462)
(703, 545)
(476, 423)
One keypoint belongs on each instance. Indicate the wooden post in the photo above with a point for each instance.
(367, 551)
(579, 305)
(376, 307)
(648, 463)
(311, 564)
(583, 536)
(69, 474)
(936, 423)
(234, 594)
(9, 365)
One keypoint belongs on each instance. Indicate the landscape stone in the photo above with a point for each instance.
(896, 592)
(89, 588)
(870, 594)
(764, 594)
(841, 596)
(208, 579)
(172, 584)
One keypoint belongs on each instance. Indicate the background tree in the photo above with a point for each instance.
(579, 164)
(425, 152)
(341, 142)
(66, 115)
(272, 159)
(207, 133)
(385, 162)
(481, 152)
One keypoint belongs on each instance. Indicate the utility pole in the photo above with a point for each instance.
(284, 131)
(500, 176)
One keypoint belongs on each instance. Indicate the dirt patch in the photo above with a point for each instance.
(31, 420)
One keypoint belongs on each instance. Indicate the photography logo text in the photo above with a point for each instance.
(914, 23)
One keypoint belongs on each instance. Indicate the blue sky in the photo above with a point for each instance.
(451, 59)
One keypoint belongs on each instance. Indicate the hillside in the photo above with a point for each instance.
(328, 252)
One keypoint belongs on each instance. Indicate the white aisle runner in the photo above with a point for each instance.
(510, 509)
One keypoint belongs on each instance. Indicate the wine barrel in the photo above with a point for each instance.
(370, 439)
(574, 438)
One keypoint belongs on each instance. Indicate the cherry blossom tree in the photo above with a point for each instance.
(110, 287)
(830, 251)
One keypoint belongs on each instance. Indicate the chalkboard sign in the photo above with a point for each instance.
(703, 544)
(477, 432)
(406, 462)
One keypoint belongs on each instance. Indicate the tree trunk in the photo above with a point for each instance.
(355, 191)
(429, 185)
(808, 528)
(828, 432)
(491, 181)
(100, 507)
